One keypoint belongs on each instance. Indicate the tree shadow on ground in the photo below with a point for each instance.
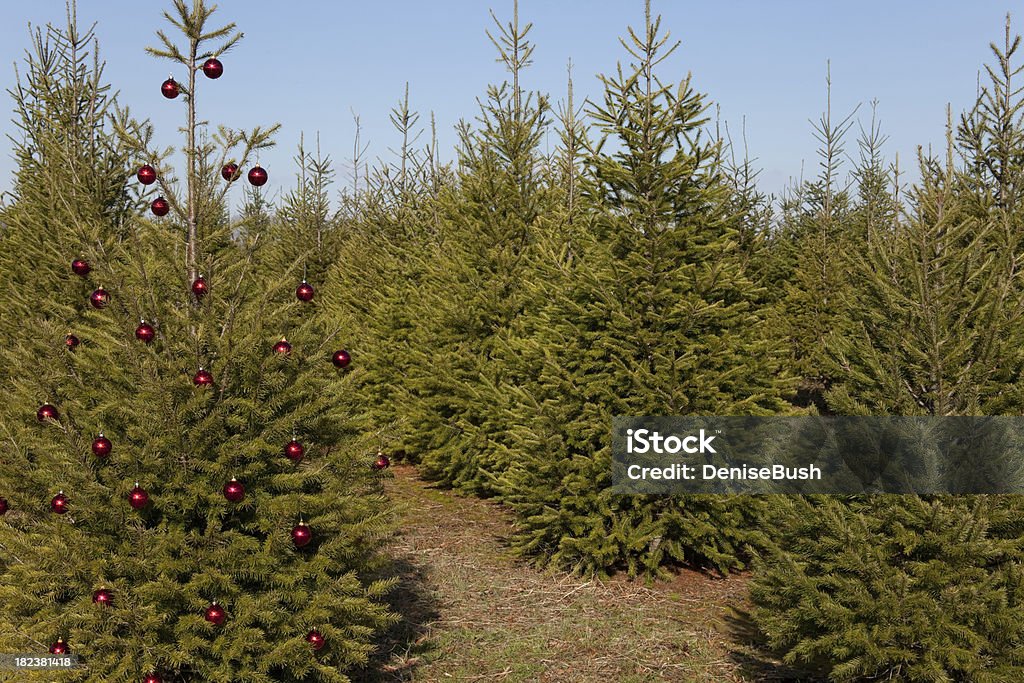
(752, 655)
(403, 646)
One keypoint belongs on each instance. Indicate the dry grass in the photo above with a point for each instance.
(472, 612)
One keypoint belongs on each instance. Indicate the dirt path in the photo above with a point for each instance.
(472, 612)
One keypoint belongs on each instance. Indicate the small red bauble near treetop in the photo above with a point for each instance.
(47, 412)
(283, 347)
(71, 341)
(80, 267)
(234, 491)
(138, 497)
(341, 359)
(145, 332)
(169, 88)
(3, 506)
(301, 535)
(215, 614)
(213, 68)
(152, 678)
(202, 378)
(382, 461)
(316, 639)
(229, 172)
(294, 450)
(257, 176)
(146, 175)
(59, 648)
(160, 207)
(103, 597)
(99, 298)
(199, 287)
(59, 503)
(304, 292)
(101, 446)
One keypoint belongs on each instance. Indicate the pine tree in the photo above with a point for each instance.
(179, 497)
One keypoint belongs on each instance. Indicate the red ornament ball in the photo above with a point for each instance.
(59, 648)
(234, 491)
(199, 287)
(101, 446)
(3, 506)
(170, 89)
(229, 172)
(316, 639)
(47, 412)
(215, 614)
(80, 267)
(72, 342)
(138, 497)
(145, 332)
(213, 68)
(103, 597)
(59, 503)
(152, 678)
(202, 378)
(160, 206)
(304, 292)
(294, 450)
(146, 175)
(99, 298)
(382, 462)
(257, 176)
(283, 347)
(301, 535)
(341, 359)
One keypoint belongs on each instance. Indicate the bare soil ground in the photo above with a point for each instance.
(473, 612)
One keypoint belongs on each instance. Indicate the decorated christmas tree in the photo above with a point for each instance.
(185, 495)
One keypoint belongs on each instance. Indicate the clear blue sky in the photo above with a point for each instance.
(309, 64)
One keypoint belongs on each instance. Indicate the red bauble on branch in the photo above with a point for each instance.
(215, 614)
(101, 446)
(71, 341)
(304, 292)
(59, 503)
(316, 639)
(103, 597)
(202, 378)
(283, 347)
(160, 207)
(145, 332)
(152, 678)
(229, 172)
(80, 267)
(294, 450)
(301, 535)
(341, 359)
(382, 461)
(170, 89)
(99, 298)
(59, 647)
(199, 287)
(234, 491)
(3, 506)
(47, 412)
(257, 176)
(138, 497)
(213, 68)
(146, 175)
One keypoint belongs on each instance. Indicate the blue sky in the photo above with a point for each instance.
(309, 64)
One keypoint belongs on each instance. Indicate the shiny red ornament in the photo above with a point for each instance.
(283, 347)
(145, 332)
(213, 68)
(304, 292)
(59, 648)
(99, 298)
(152, 678)
(215, 614)
(160, 207)
(234, 491)
(138, 497)
(229, 172)
(301, 535)
(59, 503)
(72, 342)
(103, 597)
(257, 176)
(47, 412)
(170, 89)
(202, 378)
(3, 506)
(341, 359)
(294, 450)
(80, 267)
(382, 462)
(146, 175)
(316, 639)
(199, 287)
(101, 446)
